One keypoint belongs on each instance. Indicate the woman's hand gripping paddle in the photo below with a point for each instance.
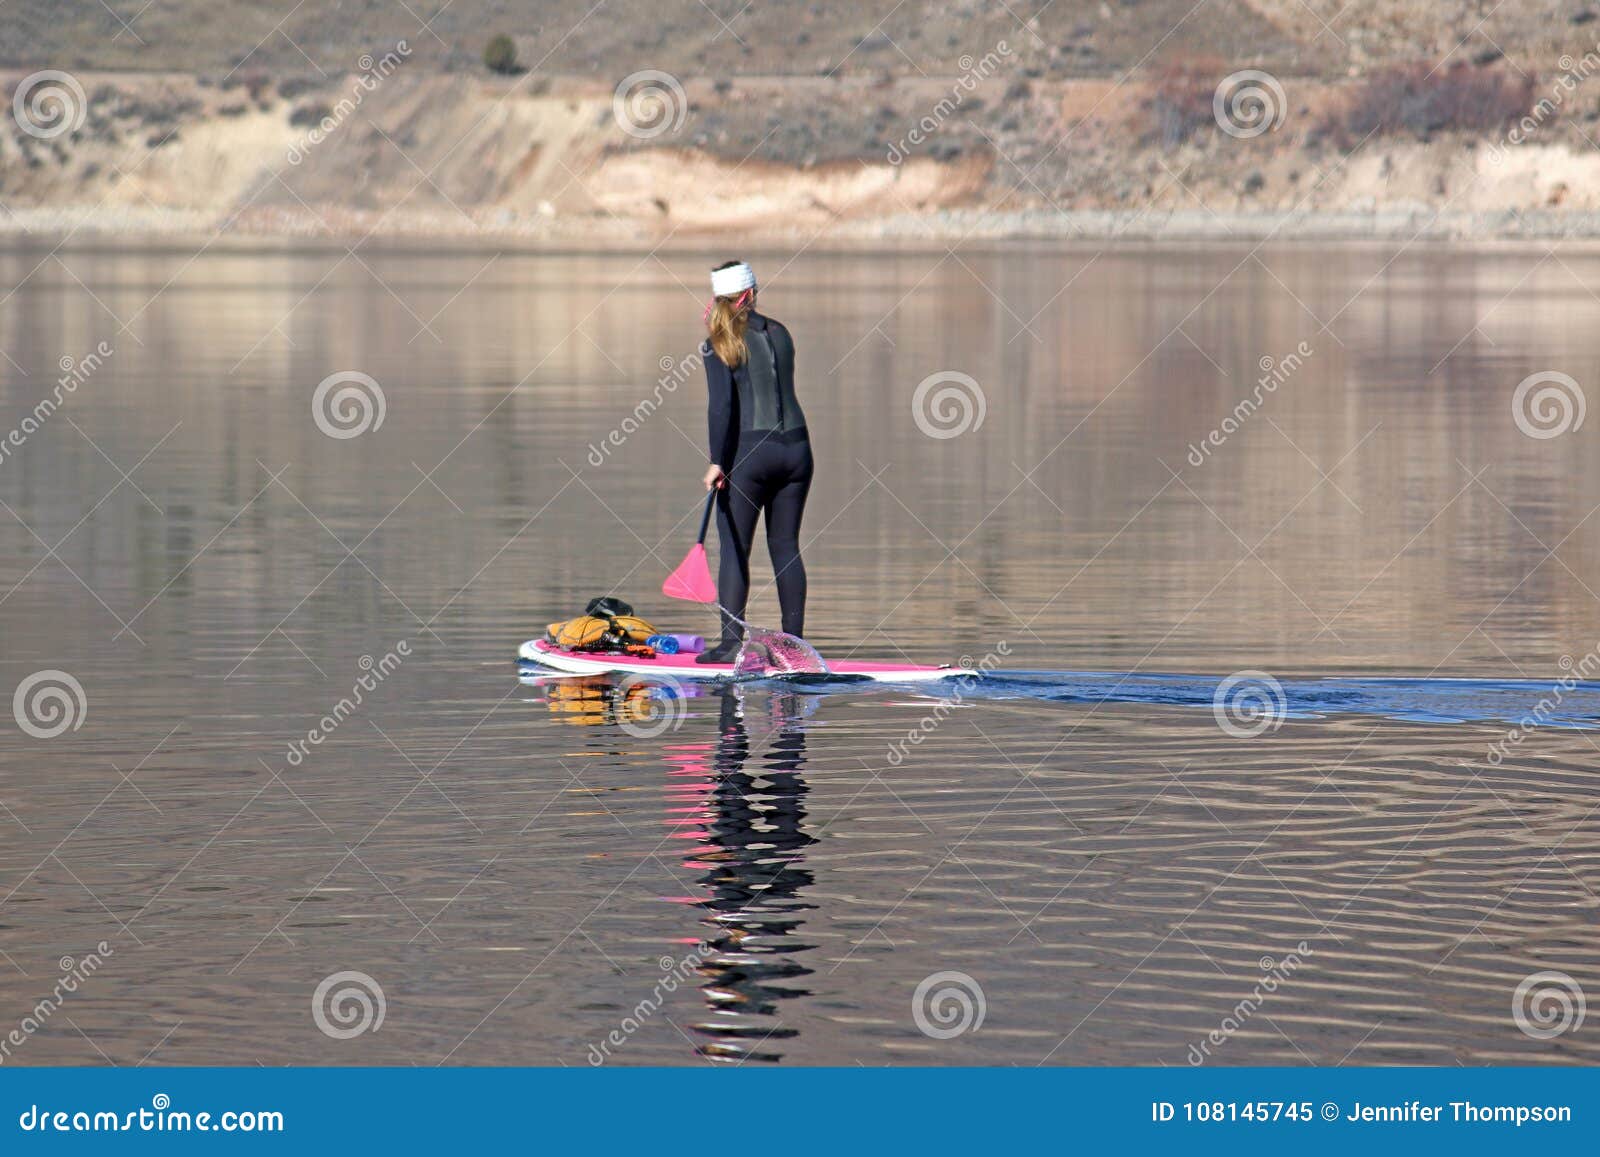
(692, 579)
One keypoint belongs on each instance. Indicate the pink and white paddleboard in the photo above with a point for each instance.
(684, 666)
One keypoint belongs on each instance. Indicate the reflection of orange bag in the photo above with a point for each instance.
(589, 702)
(635, 704)
(578, 702)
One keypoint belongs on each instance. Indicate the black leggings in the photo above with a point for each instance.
(772, 476)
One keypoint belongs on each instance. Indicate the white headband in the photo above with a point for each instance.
(735, 279)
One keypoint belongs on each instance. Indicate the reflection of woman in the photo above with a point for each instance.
(749, 851)
(752, 854)
(759, 449)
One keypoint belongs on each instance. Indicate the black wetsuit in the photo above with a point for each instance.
(758, 437)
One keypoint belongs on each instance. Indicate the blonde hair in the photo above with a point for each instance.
(726, 322)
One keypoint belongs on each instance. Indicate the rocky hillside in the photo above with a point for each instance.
(947, 119)
(610, 38)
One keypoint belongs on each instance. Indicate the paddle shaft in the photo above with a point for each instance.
(705, 519)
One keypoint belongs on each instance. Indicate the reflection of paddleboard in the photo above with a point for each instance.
(684, 666)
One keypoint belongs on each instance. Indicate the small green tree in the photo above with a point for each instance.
(500, 54)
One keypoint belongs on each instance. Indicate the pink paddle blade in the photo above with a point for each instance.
(692, 579)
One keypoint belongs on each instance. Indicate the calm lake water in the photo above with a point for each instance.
(1077, 861)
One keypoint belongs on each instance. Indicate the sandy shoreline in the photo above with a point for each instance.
(939, 229)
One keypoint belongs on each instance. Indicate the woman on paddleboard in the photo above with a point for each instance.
(760, 453)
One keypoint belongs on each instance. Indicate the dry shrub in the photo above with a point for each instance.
(1181, 104)
(1414, 99)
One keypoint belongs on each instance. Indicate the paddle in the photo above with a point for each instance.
(692, 579)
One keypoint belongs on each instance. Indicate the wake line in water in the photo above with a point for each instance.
(1520, 702)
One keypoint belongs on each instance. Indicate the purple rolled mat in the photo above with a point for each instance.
(690, 644)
